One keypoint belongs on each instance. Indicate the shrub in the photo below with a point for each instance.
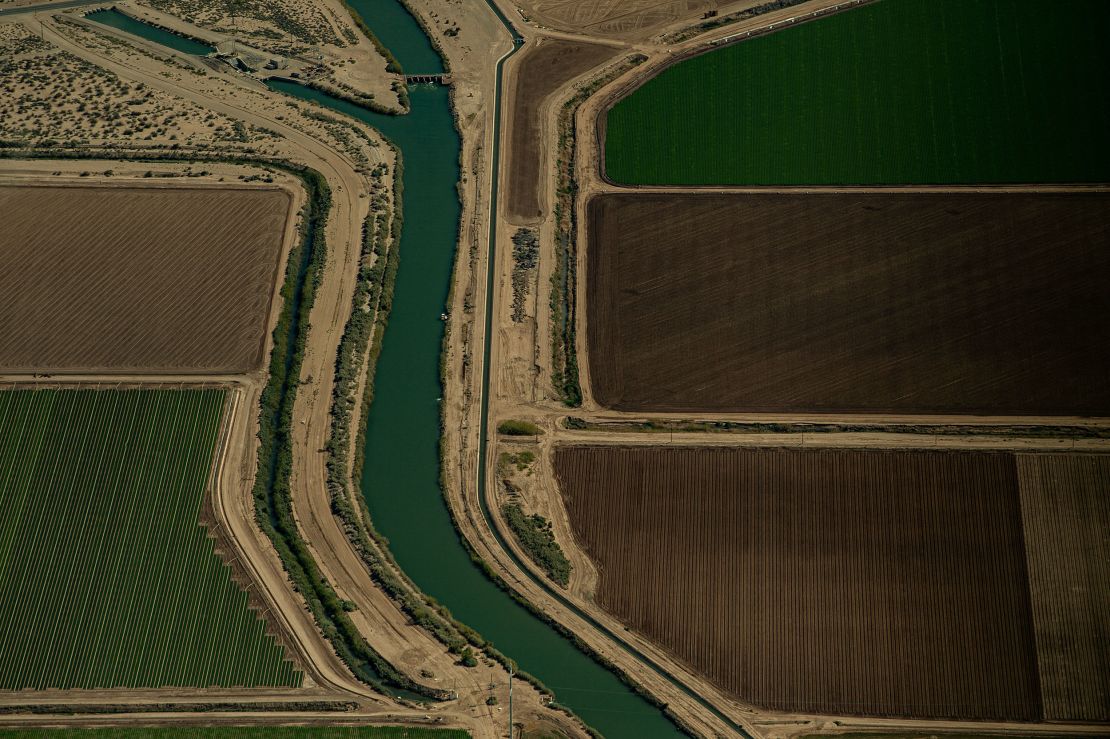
(518, 428)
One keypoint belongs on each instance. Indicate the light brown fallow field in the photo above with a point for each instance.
(163, 279)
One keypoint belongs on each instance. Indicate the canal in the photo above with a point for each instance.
(401, 473)
(115, 19)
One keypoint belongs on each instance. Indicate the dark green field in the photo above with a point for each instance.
(107, 578)
(899, 92)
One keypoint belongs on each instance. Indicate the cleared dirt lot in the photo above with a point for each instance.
(856, 302)
(137, 279)
(542, 70)
(1066, 513)
(847, 582)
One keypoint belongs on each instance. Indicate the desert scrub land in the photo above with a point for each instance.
(109, 580)
(138, 279)
(898, 92)
(286, 27)
(885, 583)
(974, 303)
(50, 97)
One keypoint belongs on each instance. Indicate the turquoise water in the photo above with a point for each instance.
(116, 19)
(398, 30)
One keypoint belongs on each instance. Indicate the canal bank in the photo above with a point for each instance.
(401, 472)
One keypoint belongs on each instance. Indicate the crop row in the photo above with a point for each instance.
(833, 581)
(106, 577)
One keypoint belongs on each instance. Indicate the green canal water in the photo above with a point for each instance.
(401, 478)
(116, 19)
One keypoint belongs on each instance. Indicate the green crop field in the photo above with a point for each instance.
(240, 732)
(107, 578)
(899, 92)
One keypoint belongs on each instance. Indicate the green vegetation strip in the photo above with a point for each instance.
(240, 732)
(564, 341)
(898, 92)
(272, 495)
(107, 578)
(535, 536)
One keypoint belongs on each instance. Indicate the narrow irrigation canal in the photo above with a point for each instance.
(401, 477)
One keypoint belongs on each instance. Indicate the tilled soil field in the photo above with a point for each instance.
(542, 70)
(834, 581)
(134, 279)
(1067, 516)
(989, 303)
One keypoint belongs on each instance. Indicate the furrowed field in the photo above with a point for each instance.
(919, 583)
(899, 92)
(107, 579)
(540, 71)
(980, 303)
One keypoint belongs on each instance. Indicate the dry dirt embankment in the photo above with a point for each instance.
(234, 503)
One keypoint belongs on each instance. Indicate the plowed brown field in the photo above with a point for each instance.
(542, 69)
(133, 279)
(861, 302)
(1066, 508)
(834, 581)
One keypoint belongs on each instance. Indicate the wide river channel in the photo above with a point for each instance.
(401, 477)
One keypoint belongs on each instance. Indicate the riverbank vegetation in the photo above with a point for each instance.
(96, 462)
(564, 340)
(538, 541)
(272, 495)
(518, 428)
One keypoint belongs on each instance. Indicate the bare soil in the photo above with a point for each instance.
(1067, 516)
(630, 19)
(542, 70)
(887, 583)
(980, 303)
(130, 279)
